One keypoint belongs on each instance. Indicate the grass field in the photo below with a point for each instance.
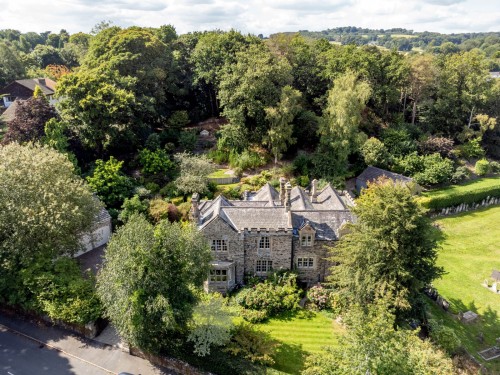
(300, 334)
(220, 173)
(480, 183)
(470, 251)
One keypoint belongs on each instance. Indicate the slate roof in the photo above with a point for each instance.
(47, 85)
(372, 173)
(263, 210)
(10, 113)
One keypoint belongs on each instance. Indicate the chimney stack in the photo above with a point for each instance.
(314, 191)
(195, 210)
(282, 191)
(288, 198)
(245, 195)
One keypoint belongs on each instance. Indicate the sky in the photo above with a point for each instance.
(253, 16)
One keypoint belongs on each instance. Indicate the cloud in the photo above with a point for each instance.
(254, 16)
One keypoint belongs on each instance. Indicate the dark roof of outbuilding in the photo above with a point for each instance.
(373, 173)
(47, 85)
(10, 113)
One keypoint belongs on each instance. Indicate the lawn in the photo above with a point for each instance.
(220, 173)
(300, 333)
(470, 251)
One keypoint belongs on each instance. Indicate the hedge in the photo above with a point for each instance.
(471, 192)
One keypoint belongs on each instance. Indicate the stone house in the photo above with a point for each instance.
(271, 230)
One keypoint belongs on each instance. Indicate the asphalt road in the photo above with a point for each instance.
(22, 356)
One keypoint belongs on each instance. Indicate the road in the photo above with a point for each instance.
(27, 348)
(22, 356)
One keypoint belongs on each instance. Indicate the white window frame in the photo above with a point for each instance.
(219, 245)
(305, 263)
(263, 266)
(306, 239)
(264, 248)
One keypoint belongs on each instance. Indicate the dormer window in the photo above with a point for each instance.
(306, 240)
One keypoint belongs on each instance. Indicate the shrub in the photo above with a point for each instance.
(169, 190)
(482, 167)
(426, 169)
(158, 210)
(254, 316)
(131, 207)
(153, 187)
(252, 344)
(246, 160)
(155, 162)
(218, 156)
(319, 297)
(153, 142)
(444, 337)
(469, 193)
(187, 140)
(60, 291)
(302, 165)
(303, 181)
(399, 142)
(178, 119)
(460, 174)
(472, 149)
(440, 145)
(494, 166)
(277, 294)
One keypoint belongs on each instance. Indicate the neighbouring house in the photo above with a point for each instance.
(371, 174)
(24, 88)
(271, 230)
(100, 234)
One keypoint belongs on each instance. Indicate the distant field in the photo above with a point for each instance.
(300, 333)
(407, 36)
(470, 251)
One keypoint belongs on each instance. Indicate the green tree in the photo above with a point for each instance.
(280, 118)
(44, 208)
(341, 119)
(211, 324)
(11, 66)
(194, 171)
(97, 105)
(372, 345)
(109, 182)
(390, 249)
(464, 84)
(375, 153)
(148, 280)
(422, 80)
(251, 84)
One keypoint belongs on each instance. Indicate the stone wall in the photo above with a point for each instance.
(220, 230)
(319, 251)
(489, 201)
(280, 252)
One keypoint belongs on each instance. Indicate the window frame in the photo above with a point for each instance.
(306, 263)
(219, 275)
(306, 239)
(264, 246)
(263, 266)
(219, 245)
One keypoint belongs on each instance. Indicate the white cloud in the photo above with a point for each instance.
(255, 16)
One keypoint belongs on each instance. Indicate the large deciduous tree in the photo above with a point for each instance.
(146, 284)
(280, 118)
(11, 66)
(97, 104)
(251, 84)
(44, 208)
(341, 119)
(390, 249)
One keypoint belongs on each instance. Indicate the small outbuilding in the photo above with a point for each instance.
(204, 133)
(371, 174)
